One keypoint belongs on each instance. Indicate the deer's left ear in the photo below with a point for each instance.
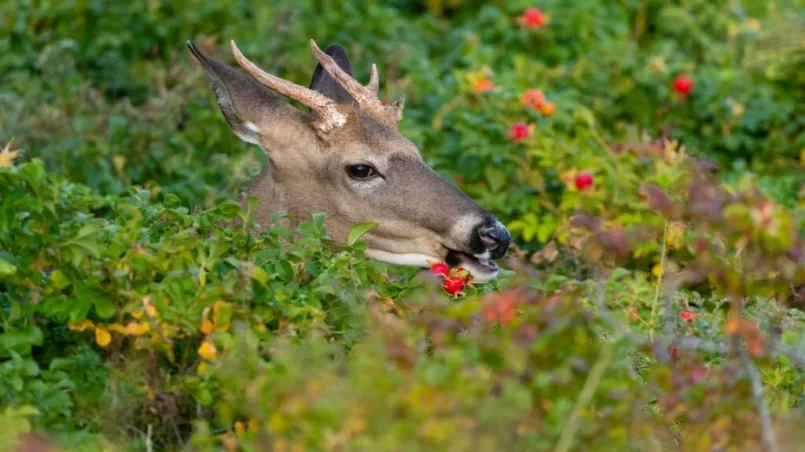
(251, 109)
(324, 83)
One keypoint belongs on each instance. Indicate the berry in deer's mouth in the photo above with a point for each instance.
(453, 285)
(440, 268)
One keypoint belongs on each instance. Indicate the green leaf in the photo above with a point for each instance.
(172, 201)
(359, 230)
(495, 177)
(59, 279)
(6, 268)
(257, 273)
(104, 307)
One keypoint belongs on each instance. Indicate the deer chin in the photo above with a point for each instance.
(481, 267)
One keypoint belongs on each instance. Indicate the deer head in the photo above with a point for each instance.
(345, 157)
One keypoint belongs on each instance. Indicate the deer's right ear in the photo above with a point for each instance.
(250, 108)
(324, 83)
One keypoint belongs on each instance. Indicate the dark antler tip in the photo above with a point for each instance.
(193, 49)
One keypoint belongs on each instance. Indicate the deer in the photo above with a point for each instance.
(346, 158)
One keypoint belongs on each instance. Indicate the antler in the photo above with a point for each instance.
(366, 96)
(329, 115)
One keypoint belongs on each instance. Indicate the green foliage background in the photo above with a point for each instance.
(109, 224)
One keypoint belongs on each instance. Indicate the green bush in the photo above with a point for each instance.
(658, 309)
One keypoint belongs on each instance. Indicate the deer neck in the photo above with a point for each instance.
(270, 197)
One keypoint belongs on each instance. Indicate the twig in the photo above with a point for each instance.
(659, 282)
(593, 380)
(767, 429)
(149, 445)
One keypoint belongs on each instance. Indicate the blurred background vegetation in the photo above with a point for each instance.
(126, 163)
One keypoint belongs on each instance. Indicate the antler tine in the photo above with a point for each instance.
(374, 81)
(363, 95)
(326, 108)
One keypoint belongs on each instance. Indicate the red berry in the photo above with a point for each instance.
(519, 131)
(674, 353)
(453, 285)
(440, 268)
(532, 18)
(686, 316)
(533, 98)
(584, 179)
(683, 85)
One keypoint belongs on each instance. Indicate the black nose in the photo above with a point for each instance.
(495, 237)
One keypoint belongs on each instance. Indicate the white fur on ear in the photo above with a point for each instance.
(251, 139)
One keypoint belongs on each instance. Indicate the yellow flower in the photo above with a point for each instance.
(657, 270)
(207, 350)
(102, 337)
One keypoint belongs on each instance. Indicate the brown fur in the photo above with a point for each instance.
(418, 210)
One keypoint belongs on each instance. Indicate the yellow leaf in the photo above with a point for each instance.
(216, 310)
(151, 310)
(7, 156)
(239, 428)
(221, 308)
(802, 155)
(202, 368)
(137, 315)
(207, 350)
(117, 328)
(137, 329)
(102, 337)
(252, 425)
(80, 326)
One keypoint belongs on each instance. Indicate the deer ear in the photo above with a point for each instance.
(326, 84)
(250, 108)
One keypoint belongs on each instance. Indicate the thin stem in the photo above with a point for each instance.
(593, 380)
(659, 282)
(766, 427)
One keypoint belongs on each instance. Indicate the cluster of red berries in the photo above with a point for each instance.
(455, 279)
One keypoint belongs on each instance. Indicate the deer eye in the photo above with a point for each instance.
(361, 171)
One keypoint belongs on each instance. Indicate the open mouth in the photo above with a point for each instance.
(482, 269)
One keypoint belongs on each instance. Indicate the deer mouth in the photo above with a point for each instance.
(482, 268)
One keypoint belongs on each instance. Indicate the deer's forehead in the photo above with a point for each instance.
(381, 139)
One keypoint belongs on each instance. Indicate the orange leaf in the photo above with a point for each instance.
(206, 326)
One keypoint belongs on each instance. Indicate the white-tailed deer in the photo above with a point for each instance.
(345, 157)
